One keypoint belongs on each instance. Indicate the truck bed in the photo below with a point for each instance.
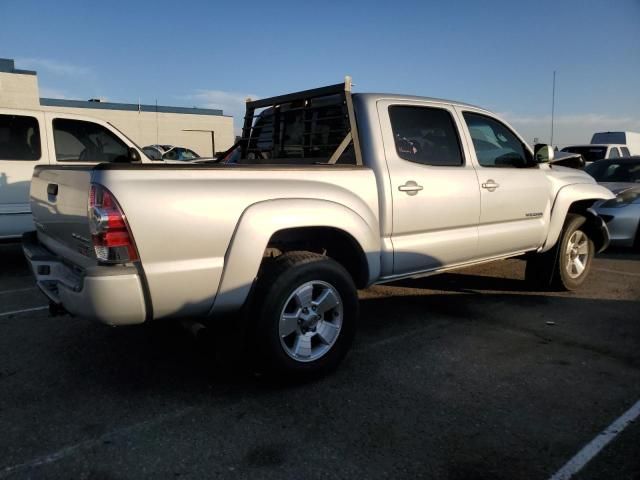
(183, 217)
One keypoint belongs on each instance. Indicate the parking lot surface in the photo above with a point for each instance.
(466, 375)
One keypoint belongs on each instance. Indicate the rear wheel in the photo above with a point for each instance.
(304, 314)
(566, 266)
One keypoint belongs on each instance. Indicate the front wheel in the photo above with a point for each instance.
(566, 266)
(304, 314)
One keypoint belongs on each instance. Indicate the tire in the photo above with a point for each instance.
(567, 265)
(303, 315)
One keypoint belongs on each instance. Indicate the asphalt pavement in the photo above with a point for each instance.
(465, 375)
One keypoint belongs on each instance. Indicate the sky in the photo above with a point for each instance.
(500, 55)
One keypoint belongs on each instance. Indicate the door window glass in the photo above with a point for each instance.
(625, 152)
(80, 141)
(19, 138)
(495, 144)
(613, 153)
(425, 135)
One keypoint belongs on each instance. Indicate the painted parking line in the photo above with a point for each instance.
(17, 290)
(25, 310)
(594, 447)
(617, 272)
(93, 442)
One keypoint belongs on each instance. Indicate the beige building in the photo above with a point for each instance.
(203, 130)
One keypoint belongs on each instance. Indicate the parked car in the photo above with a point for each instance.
(622, 213)
(595, 152)
(29, 138)
(348, 191)
(169, 152)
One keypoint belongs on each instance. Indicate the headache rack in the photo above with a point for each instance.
(314, 126)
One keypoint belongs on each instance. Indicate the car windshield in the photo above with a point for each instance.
(152, 153)
(590, 154)
(615, 171)
(179, 153)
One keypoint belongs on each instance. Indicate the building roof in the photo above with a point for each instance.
(7, 65)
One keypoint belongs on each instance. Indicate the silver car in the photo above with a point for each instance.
(622, 214)
(170, 152)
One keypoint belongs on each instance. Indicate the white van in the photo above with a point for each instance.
(32, 137)
(630, 139)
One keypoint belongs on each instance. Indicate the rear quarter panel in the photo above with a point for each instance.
(183, 220)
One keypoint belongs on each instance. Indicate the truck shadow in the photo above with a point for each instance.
(163, 359)
(456, 282)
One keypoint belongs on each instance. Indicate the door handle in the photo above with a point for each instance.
(410, 188)
(490, 185)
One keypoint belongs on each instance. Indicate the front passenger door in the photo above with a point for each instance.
(515, 191)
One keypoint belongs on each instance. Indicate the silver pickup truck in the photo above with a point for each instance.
(326, 192)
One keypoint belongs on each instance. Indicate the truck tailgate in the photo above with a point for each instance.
(59, 202)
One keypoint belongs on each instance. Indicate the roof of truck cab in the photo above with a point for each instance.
(373, 97)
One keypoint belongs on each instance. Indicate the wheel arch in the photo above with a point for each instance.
(330, 241)
(292, 224)
(579, 199)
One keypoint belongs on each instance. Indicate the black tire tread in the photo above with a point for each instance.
(543, 270)
(270, 277)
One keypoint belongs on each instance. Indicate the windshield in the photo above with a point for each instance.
(590, 154)
(179, 153)
(615, 171)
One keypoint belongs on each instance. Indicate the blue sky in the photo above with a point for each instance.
(497, 54)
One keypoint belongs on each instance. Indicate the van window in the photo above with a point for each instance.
(425, 135)
(625, 152)
(19, 138)
(613, 153)
(80, 141)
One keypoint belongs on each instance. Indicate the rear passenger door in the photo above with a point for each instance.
(436, 199)
(22, 147)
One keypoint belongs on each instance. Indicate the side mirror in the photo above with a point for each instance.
(134, 155)
(544, 153)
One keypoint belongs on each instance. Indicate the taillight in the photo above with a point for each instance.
(112, 239)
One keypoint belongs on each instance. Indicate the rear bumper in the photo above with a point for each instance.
(108, 294)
